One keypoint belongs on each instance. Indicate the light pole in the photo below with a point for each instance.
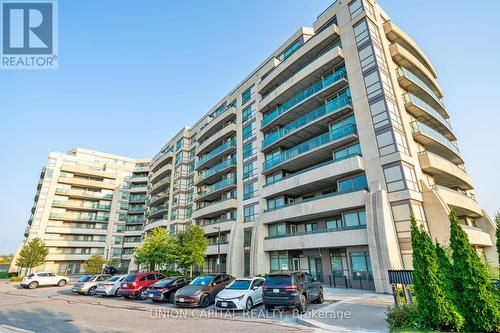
(218, 248)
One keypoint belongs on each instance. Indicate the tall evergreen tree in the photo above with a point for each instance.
(497, 233)
(473, 295)
(435, 310)
(446, 273)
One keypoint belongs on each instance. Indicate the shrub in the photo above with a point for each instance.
(403, 316)
(4, 275)
(171, 273)
(16, 278)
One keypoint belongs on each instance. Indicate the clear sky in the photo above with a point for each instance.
(132, 73)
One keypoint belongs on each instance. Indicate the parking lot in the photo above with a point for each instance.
(54, 309)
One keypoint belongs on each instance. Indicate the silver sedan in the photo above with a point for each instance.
(110, 287)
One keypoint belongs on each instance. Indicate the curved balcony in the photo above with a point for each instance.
(154, 199)
(463, 203)
(444, 172)
(214, 125)
(435, 142)
(477, 236)
(311, 152)
(160, 185)
(217, 189)
(209, 159)
(81, 205)
(301, 102)
(160, 160)
(309, 75)
(414, 84)
(396, 35)
(212, 142)
(82, 194)
(160, 173)
(216, 208)
(316, 207)
(405, 59)
(425, 113)
(137, 198)
(135, 210)
(157, 211)
(82, 182)
(208, 176)
(309, 125)
(308, 52)
(224, 225)
(78, 217)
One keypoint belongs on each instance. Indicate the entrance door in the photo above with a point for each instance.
(296, 264)
(315, 268)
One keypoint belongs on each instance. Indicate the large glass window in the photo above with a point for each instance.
(247, 113)
(248, 170)
(247, 131)
(275, 203)
(247, 94)
(247, 237)
(355, 219)
(250, 212)
(355, 8)
(248, 191)
(292, 48)
(354, 183)
(248, 150)
(360, 264)
(278, 260)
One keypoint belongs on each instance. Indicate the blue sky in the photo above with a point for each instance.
(132, 73)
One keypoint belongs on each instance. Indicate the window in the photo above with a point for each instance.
(292, 48)
(247, 150)
(399, 177)
(274, 178)
(248, 191)
(361, 264)
(334, 224)
(311, 227)
(355, 8)
(247, 237)
(247, 94)
(354, 183)
(178, 158)
(275, 203)
(179, 143)
(278, 261)
(247, 113)
(248, 170)
(247, 131)
(337, 264)
(277, 230)
(250, 212)
(330, 22)
(347, 152)
(355, 219)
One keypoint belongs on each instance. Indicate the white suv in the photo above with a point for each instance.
(34, 280)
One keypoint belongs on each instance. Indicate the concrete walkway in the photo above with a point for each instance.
(352, 311)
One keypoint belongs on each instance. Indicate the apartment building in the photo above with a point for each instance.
(317, 159)
(88, 202)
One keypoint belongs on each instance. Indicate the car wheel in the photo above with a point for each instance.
(303, 304)
(91, 291)
(61, 283)
(321, 297)
(171, 298)
(249, 304)
(205, 301)
(142, 295)
(116, 292)
(33, 285)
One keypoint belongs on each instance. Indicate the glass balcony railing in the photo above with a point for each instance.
(317, 231)
(216, 152)
(84, 193)
(216, 168)
(139, 198)
(136, 209)
(218, 186)
(410, 98)
(156, 209)
(79, 217)
(401, 71)
(81, 205)
(418, 127)
(331, 107)
(318, 86)
(444, 188)
(311, 144)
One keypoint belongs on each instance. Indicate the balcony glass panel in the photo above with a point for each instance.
(410, 98)
(216, 168)
(418, 127)
(401, 71)
(217, 151)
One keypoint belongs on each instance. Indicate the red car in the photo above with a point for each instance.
(135, 285)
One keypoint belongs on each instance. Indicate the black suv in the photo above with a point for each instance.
(291, 289)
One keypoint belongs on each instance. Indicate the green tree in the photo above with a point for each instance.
(446, 273)
(192, 245)
(435, 310)
(32, 254)
(474, 297)
(94, 264)
(497, 233)
(158, 249)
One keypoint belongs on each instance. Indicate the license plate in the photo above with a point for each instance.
(151, 295)
(276, 290)
(181, 299)
(223, 304)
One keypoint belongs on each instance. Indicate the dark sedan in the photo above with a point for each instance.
(202, 290)
(164, 290)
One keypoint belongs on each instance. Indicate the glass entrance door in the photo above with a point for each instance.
(315, 268)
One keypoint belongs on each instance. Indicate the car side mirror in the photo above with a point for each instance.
(255, 288)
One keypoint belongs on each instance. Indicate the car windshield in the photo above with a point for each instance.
(130, 278)
(114, 278)
(85, 278)
(163, 283)
(202, 281)
(278, 280)
(31, 275)
(239, 284)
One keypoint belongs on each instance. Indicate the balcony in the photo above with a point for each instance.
(84, 218)
(426, 114)
(464, 204)
(311, 179)
(161, 172)
(317, 239)
(160, 185)
(83, 182)
(477, 236)
(396, 35)
(215, 209)
(215, 172)
(135, 210)
(435, 142)
(212, 142)
(208, 160)
(405, 59)
(214, 191)
(214, 125)
(210, 228)
(134, 220)
(135, 188)
(83, 194)
(317, 207)
(157, 211)
(308, 125)
(154, 199)
(139, 198)
(302, 101)
(81, 205)
(312, 49)
(213, 249)
(160, 160)
(314, 149)
(415, 85)
(88, 171)
(445, 172)
(79, 231)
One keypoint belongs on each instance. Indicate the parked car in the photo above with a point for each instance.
(164, 290)
(110, 286)
(33, 280)
(202, 290)
(291, 290)
(241, 294)
(87, 284)
(135, 285)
